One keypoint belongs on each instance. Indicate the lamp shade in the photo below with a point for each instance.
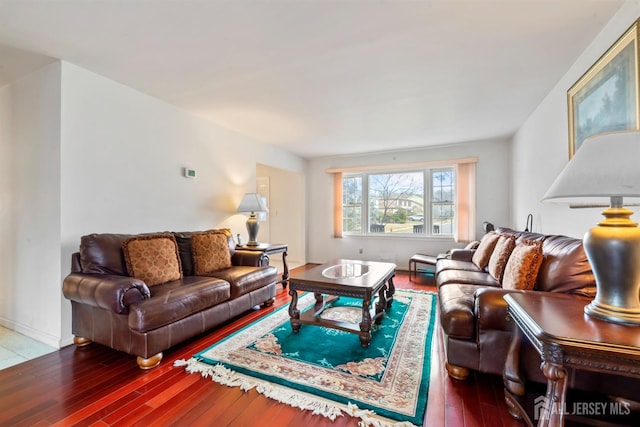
(605, 166)
(252, 202)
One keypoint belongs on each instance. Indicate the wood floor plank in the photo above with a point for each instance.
(97, 386)
(170, 411)
(29, 417)
(165, 395)
(133, 417)
(453, 416)
(97, 407)
(118, 410)
(198, 405)
(219, 407)
(435, 409)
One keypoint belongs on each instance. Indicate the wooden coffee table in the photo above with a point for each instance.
(349, 278)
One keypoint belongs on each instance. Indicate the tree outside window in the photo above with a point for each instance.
(416, 202)
(390, 200)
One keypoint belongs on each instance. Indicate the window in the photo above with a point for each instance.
(442, 204)
(352, 204)
(425, 199)
(396, 202)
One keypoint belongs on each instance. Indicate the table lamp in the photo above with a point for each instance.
(252, 202)
(607, 168)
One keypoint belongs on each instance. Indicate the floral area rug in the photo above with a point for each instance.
(326, 370)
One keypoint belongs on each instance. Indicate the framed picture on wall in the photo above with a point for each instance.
(605, 98)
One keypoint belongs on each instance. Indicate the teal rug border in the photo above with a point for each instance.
(424, 385)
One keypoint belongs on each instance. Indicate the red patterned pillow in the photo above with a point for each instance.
(522, 268)
(485, 249)
(500, 256)
(211, 251)
(152, 258)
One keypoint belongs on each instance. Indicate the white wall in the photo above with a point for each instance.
(123, 154)
(7, 236)
(540, 148)
(7, 213)
(30, 188)
(493, 189)
(83, 154)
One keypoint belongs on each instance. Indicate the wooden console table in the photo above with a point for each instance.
(271, 249)
(565, 337)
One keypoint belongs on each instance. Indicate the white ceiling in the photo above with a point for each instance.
(319, 77)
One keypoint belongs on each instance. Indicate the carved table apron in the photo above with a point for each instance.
(567, 338)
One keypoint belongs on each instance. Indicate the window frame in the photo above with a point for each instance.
(427, 200)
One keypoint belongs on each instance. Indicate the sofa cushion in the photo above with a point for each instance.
(152, 258)
(173, 301)
(477, 278)
(483, 253)
(102, 253)
(523, 265)
(565, 267)
(456, 310)
(210, 251)
(500, 256)
(186, 252)
(244, 279)
(454, 264)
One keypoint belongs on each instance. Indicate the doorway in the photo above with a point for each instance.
(286, 220)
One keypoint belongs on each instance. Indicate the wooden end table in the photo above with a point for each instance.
(343, 277)
(271, 249)
(565, 337)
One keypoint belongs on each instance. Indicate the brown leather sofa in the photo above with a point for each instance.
(478, 333)
(122, 312)
(473, 313)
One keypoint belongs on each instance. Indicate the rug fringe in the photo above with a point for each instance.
(296, 399)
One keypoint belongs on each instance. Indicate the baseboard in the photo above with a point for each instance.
(28, 331)
(64, 342)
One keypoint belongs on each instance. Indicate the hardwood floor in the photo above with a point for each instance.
(101, 387)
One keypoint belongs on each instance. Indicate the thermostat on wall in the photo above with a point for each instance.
(189, 173)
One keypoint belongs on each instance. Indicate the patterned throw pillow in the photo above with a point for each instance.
(500, 256)
(522, 268)
(473, 245)
(211, 251)
(485, 249)
(152, 258)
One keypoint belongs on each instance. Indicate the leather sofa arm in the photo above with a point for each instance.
(250, 258)
(491, 309)
(106, 291)
(462, 254)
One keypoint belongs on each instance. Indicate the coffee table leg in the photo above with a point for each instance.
(294, 313)
(391, 289)
(318, 308)
(381, 305)
(365, 325)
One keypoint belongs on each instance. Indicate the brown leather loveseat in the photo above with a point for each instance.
(143, 294)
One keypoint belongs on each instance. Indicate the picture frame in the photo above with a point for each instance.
(605, 98)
